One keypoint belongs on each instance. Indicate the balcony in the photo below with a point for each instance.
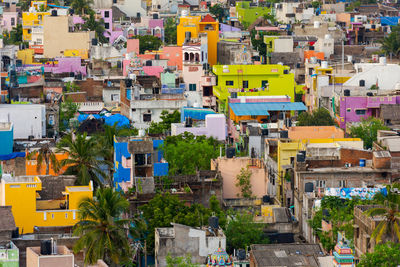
(91, 106)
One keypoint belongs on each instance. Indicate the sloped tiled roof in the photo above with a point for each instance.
(208, 18)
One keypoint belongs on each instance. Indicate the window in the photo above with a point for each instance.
(264, 83)
(114, 97)
(66, 215)
(38, 41)
(12, 21)
(229, 82)
(192, 87)
(342, 183)
(146, 117)
(321, 183)
(360, 111)
(348, 110)
(245, 84)
(52, 215)
(107, 25)
(29, 31)
(107, 14)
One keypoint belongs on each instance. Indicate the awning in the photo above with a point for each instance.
(261, 109)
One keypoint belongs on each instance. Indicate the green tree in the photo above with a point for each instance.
(165, 124)
(91, 24)
(166, 208)
(319, 117)
(25, 5)
(391, 43)
(148, 42)
(257, 40)
(103, 234)
(82, 7)
(179, 261)
(243, 183)
(14, 37)
(84, 158)
(45, 155)
(241, 231)
(187, 153)
(68, 109)
(71, 87)
(387, 254)
(170, 31)
(218, 11)
(367, 130)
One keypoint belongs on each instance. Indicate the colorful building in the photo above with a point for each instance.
(6, 138)
(9, 255)
(192, 26)
(355, 108)
(252, 80)
(31, 166)
(248, 14)
(22, 194)
(33, 22)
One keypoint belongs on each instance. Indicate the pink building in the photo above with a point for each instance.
(9, 20)
(132, 46)
(174, 56)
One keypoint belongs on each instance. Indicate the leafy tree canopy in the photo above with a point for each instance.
(187, 153)
(165, 124)
(180, 261)
(387, 254)
(367, 130)
(148, 42)
(14, 37)
(68, 110)
(319, 117)
(91, 24)
(170, 31)
(218, 11)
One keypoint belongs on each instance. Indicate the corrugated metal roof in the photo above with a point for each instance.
(261, 109)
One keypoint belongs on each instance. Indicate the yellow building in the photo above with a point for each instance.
(32, 21)
(193, 26)
(30, 211)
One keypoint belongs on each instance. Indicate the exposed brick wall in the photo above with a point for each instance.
(347, 155)
(94, 89)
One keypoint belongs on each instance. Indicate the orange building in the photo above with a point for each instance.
(315, 132)
(31, 166)
(312, 53)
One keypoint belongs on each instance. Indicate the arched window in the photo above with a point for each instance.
(197, 57)
(186, 56)
(191, 57)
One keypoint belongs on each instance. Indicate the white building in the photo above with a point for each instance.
(28, 119)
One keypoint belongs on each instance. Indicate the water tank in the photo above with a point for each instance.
(349, 58)
(300, 157)
(196, 105)
(138, 15)
(72, 74)
(94, 41)
(71, 11)
(45, 247)
(324, 64)
(316, 24)
(184, 13)
(157, 57)
(280, 63)
(213, 222)
(233, 94)
(362, 83)
(241, 254)
(285, 71)
(79, 76)
(54, 13)
(382, 60)
(230, 152)
(346, 92)
(309, 187)
(266, 199)
(370, 94)
(284, 134)
(148, 63)
(128, 83)
(328, 36)
(362, 162)
(141, 133)
(312, 48)
(155, 16)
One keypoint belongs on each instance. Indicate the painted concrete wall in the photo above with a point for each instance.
(230, 168)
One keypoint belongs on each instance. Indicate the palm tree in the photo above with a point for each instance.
(390, 225)
(47, 156)
(84, 158)
(102, 231)
(82, 6)
(391, 44)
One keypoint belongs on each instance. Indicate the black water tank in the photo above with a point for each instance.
(54, 13)
(370, 94)
(266, 199)
(298, 65)
(241, 254)
(284, 134)
(72, 74)
(71, 11)
(373, 26)
(309, 187)
(119, 64)
(155, 16)
(311, 47)
(94, 41)
(285, 71)
(264, 131)
(138, 14)
(281, 115)
(79, 76)
(45, 247)
(230, 152)
(233, 94)
(128, 83)
(149, 63)
(213, 222)
(346, 92)
(15, 233)
(362, 83)
(300, 157)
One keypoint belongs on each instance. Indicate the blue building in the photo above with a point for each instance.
(122, 171)
(6, 138)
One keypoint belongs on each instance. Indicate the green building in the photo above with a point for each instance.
(252, 80)
(9, 255)
(248, 14)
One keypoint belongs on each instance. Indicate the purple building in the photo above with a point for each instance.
(353, 108)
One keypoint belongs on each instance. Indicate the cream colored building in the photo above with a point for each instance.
(60, 257)
(58, 38)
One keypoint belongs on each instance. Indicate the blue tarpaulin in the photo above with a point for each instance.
(195, 113)
(12, 156)
(261, 109)
(390, 21)
(121, 120)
